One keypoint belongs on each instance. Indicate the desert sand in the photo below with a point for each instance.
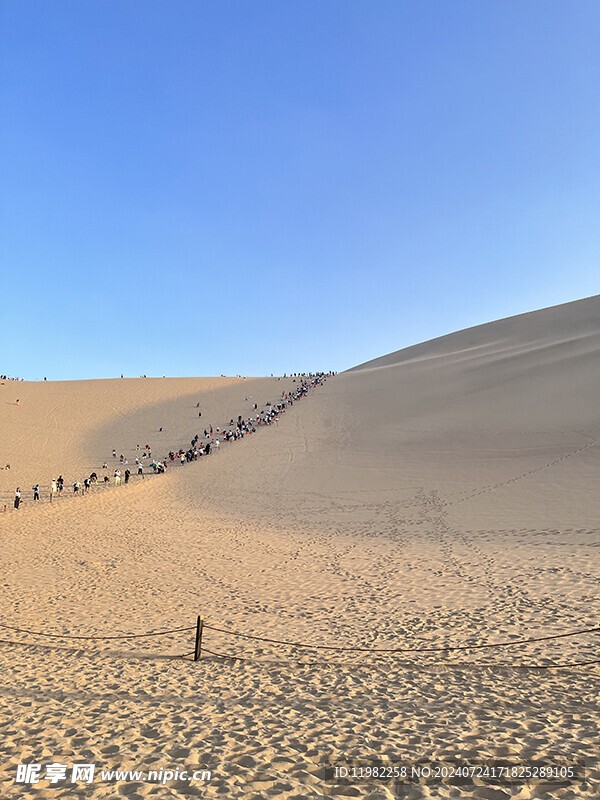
(443, 495)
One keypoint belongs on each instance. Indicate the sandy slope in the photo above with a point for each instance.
(444, 494)
(71, 427)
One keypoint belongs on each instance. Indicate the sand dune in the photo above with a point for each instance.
(71, 427)
(444, 494)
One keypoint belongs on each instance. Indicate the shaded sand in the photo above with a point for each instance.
(443, 495)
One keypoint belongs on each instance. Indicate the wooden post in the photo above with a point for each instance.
(198, 647)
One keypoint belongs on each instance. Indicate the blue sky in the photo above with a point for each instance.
(195, 188)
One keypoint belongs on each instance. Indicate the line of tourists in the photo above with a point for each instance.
(234, 430)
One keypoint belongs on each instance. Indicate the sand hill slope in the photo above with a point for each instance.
(442, 495)
(505, 414)
(71, 427)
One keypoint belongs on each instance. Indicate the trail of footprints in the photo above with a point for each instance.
(515, 478)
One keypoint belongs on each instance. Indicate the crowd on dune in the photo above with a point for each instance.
(213, 437)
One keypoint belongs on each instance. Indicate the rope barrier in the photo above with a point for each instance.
(401, 649)
(495, 666)
(329, 664)
(328, 647)
(303, 645)
(73, 636)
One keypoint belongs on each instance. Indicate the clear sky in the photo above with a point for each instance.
(257, 186)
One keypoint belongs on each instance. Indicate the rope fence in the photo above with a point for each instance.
(403, 649)
(73, 636)
(200, 627)
(478, 664)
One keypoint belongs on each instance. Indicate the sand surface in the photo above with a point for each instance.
(443, 495)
